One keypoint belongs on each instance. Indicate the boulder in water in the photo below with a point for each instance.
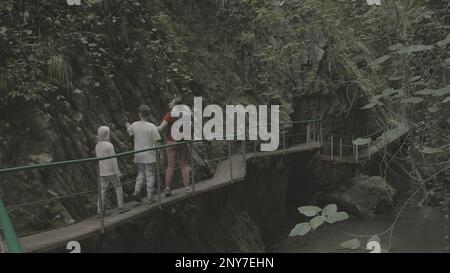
(366, 197)
(371, 195)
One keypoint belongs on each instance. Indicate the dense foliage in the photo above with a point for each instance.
(369, 66)
(391, 61)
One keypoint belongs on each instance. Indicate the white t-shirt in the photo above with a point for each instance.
(145, 135)
(107, 166)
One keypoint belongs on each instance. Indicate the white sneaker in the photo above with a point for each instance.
(167, 192)
(188, 189)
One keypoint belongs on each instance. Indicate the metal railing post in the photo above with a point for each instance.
(321, 133)
(244, 159)
(284, 140)
(340, 148)
(332, 148)
(314, 131)
(353, 147)
(357, 173)
(158, 177)
(229, 159)
(191, 146)
(356, 147)
(368, 149)
(316, 135)
(308, 134)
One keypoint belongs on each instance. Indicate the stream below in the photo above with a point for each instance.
(416, 230)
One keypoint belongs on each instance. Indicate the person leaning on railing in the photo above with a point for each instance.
(172, 151)
(108, 169)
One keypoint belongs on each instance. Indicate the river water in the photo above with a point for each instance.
(422, 230)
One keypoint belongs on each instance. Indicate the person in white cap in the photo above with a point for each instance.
(108, 168)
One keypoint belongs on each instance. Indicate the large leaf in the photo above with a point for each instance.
(376, 98)
(415, 78)
(434, 108)
(380, 60)
(389, 91)
(430, 150)
(329, 209)
(442, 91)
(426, 91)
(370, 105)
(337, 217)
(422, 83)
(361, 141)
(396, 47)
(351, 244)
(414, 48)
(444, 42)
(309, 210)
(317, 221)
(412, 100)
(300, 229)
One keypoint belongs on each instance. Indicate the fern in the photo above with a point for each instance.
(60, 70)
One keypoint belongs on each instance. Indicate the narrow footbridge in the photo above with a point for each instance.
(230, 167)
(351, 150)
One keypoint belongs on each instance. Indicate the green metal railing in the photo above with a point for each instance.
(12, 242)
(342, 147)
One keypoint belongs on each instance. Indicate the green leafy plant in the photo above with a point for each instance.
(328, 214)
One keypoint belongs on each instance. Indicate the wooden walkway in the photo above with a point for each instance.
(57, 238)
(338, 159)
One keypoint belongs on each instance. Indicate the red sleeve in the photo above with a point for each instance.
(167, 118)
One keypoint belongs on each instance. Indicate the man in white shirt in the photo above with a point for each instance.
(108, 168)
(146, 136)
